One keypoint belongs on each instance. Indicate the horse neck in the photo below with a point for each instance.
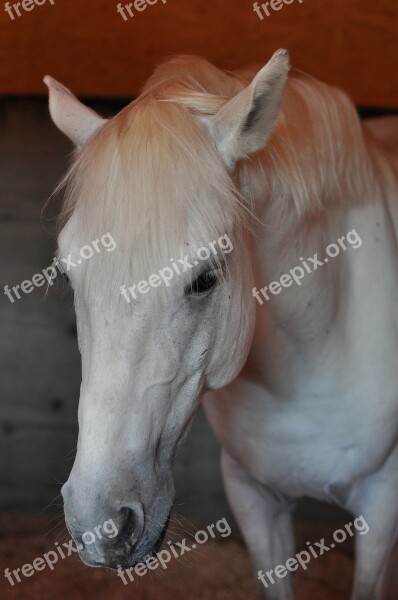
(354, 177)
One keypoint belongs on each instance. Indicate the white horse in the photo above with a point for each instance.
(301, 389)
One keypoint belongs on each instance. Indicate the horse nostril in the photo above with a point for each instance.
(127, 537)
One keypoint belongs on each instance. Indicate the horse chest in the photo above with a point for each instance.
(316, 446)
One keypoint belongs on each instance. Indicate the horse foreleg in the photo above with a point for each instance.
(376, 500)
(266, 525)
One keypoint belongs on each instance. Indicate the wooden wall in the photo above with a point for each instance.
(88, 46)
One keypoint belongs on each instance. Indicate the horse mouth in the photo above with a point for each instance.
(124, 555)
(130, 562)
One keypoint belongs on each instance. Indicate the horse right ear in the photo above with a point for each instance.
(244, 124)
(73, 118)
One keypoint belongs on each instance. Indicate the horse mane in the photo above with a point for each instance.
(318, 153)
(151, 167)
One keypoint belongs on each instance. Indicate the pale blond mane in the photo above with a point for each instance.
(152, 178)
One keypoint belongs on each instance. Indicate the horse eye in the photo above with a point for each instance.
(204, 283)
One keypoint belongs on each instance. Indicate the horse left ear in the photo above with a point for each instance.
(244, 124)
(74, 119)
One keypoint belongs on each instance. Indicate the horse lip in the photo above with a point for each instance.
(116, 562)
(160, 539)
(92, 562)
(156, 546)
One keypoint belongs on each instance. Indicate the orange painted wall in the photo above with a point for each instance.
(88, 46)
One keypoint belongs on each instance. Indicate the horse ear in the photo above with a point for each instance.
(244, 124)
(74, 119)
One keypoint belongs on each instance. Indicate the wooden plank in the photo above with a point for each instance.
(33, 463)
(39, 358)
(88, 45)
